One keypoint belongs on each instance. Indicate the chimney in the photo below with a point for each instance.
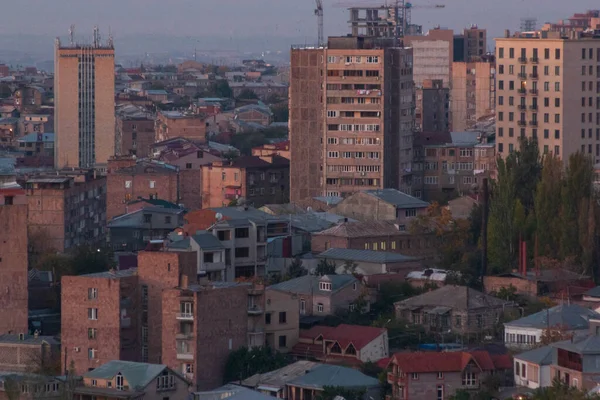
(506, 33)
(203, 278)
(183, 281)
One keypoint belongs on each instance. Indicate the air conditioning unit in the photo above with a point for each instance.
(377, 78)
(77, 349)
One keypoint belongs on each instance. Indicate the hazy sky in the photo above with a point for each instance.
(256, 17)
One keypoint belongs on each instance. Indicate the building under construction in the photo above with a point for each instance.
(385, 21)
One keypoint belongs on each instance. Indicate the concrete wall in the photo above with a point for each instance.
(376, 349)
(277, 302)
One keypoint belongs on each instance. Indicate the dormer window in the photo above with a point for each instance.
(119, 381)
(325, 286)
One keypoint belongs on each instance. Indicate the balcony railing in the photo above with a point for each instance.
(534, 60)
(522, 91)
(523, 75)
(522, 107)
(533, 91)
(533, 107)
(185, 356)
(534, 76)
(255, 309)
(522, 123)
(185, 316)
(523, 60)
(533, 123)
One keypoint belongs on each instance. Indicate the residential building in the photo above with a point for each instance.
(579, 22)
(473, 91)
(84, 103)
(172, 124)
(132, 380)
(129, 178)
(28, 353)
(133, 231)
(547, 86)
(344, 344)
(263, 90)
(281, 149)
(100, 319)
(321, 295)
(157, 96)
(209, 250)
(445, 164)
(282, 320)
(476, 42)
(134, 131)
(201, 325)
(381, 205)
(306, 379)
(66, 209)
(37, 144)
(456, 309)
(430, 277)
(258, 180)
(342, 91)
(369, 262)
(35, 123)
(28, 98)
(258, 113)
(27, 385)
(532, 368)
(432, 107)
(432, 55)
(378, 236)
(545, 282)
(9, 131)
(527, 332)
(439, 375)
(14, 255)
(573, 361)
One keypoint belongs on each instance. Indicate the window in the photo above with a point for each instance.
(119, 381)
(93, 313)
(440, 375)
(469, 379)
(267, 319)
(165, 381)
(91, 333)
(282, 341)
(167, 219)
(94, 382)
(511, 53)
(440, 392)
(325, 286)
(242, 252)
(411, 212)
(415, 376)
(557, 86)
(501, 52)
(152, 184)
(282, 317)
(92, 293)
(319, 307)
(127, 184)
(92, 353)
(241, 233)
(332, 114)
(557, 54)
(458, 320)
(517, 368)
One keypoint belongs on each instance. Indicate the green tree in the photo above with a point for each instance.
(569, 243)
(5, 91)
(325, 267)
(561, 391)
(281, 113)
(245, 362)
(527, 171)
(507, 293)
(548, 205)
(587, 235)
(247, 94)
(221, 89)
(296, 269)
(88, 259)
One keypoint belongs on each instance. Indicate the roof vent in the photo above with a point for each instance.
(21, 336)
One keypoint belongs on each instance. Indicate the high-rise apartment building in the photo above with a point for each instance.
(476, 40)
(473, 91)
(351, 117)
(84, 99)
(548, 87)
(432, 107)
(432, 55)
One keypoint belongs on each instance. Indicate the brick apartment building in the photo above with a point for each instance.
(134, 131)
(432, 107)
(351, 123)
(172, 124)
(20, 352)
(129, 178)
(281, 149)
(13, 257)
(259, 180)
(28, 98)
(99, 319)
(66, 210)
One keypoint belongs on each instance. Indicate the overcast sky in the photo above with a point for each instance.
(261, 18)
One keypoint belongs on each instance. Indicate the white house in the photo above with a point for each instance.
(526, 332)
(532, 368)
(593, 295)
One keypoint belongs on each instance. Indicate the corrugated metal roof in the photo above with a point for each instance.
(379, 257)
(308, 284)
(27, 339)
(116, 274)
(138, 375)
(571, 316)
(457, 297)
(397, 198)
(334, 375)
(541, 356)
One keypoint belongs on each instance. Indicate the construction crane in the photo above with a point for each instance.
(319, 14)
(409, 6)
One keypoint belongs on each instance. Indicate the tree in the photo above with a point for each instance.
(527, 171)
(281, 113)
(87, 259)
(296, 269)
(562, 391)
(12, 388)
(221, 89)
(245, 362)
(157, 86)
(325, 267)
(5, 91)
(547, 207)
(247, 94)
(554, 334)
(507, 293)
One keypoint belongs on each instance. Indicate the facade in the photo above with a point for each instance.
(281, 333)
(369, 262)
(258, 180)
(25, 386)
(257, 113)
(476, 42)
(132, 380)
(456, 309)
(209, 250)
(172, 124)
(37, 144)
(547, 84)
(134, 131)
(13, 261)
(574, 361)
(536, 283)
(346, 344)
(281, 149)
(432, 56)
(66, 210)
(473, 91)
(352, 87)
(28, 98)
(432, 107)
(532, 368)
(527, 332)
(26, 353)
(100, 319)
(84, 101)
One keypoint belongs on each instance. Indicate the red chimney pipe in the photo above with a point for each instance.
(524, 255)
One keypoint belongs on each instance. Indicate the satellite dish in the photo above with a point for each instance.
(219, 216)
(309, 209)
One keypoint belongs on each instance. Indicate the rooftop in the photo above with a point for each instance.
(344, 334)
(258, 162)
(539, 356)
(113, 274)
(309, 284)
(397, 198)
(432, 362)
(333, 375)
(453, 297)
(37, 137)
(546, 275)
(371, 256)
(571, 317)
(156, 203)
(278, 378)
(232, 392)
(138, 375)
(27, 339)
(582, 345)
(250, 213)
(132, 220)
(206, 241)
(363, 229)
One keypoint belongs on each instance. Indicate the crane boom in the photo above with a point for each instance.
(319, 14)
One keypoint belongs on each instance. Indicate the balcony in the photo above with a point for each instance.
(534, 76)
(254, 309)
(184, 335)
(523, 75)
(533, 91)
(185, 316)
(522, 107)
(125, 323)
(185, 356)
(522, 92)
(256, 290)
(534, 60)
(533, 123)
(523, 60)
(533, 107)
(213, 266)
(522, 123)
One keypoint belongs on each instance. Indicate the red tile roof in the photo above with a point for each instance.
(484, 360)
(431, 362)
(345, 334)
(502, 361)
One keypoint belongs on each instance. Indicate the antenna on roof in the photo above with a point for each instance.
(72, 35)
(96, 36)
